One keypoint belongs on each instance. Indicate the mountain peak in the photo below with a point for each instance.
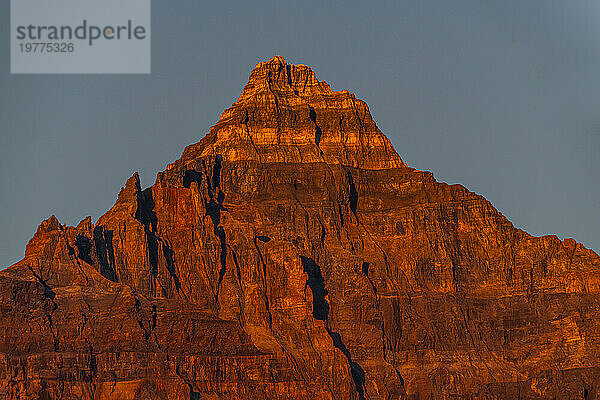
(285, 114)
(277, 75)
(291, 246)
(276, 60)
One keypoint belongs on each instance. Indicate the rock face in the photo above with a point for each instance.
(292, 254)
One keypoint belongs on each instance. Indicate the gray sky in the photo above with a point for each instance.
(500, 96)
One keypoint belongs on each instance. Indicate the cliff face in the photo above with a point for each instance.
(291, 254)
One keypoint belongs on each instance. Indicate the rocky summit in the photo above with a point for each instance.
(292, 254)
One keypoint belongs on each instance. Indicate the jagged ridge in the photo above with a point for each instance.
(292, 254)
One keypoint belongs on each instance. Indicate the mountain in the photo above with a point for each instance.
(292, 254)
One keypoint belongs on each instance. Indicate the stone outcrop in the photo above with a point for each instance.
(292, 254)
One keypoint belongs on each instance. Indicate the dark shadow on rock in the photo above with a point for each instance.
(105, 252)
(84, 248)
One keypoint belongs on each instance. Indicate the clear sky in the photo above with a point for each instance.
(500, 96)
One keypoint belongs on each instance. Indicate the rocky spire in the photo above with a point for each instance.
(285, 114)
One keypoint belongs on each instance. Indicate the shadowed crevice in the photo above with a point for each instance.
(264, 239)
(220, 232)
(317, 285)
(358, 376)
(154, 316)
(93, 362)
(216, 177)
(213, 210)
(110, 251)
(213, 207)
(152, 252)
(84, 248)
(365, 271)
(146, 215)
(316, 282)
(352, 193)
(190, 176)
(105, 252)
(318, 132)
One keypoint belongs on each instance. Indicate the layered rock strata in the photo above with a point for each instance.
(292, 254)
